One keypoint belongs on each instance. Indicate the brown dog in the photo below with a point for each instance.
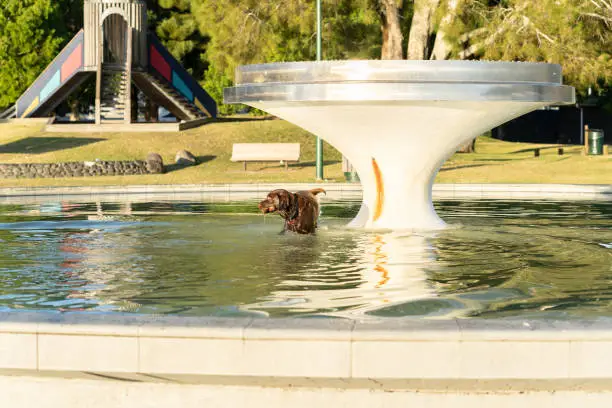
(300, 210)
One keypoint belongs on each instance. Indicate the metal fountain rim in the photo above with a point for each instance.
(367, 81)
(398, 92)
(448, 71)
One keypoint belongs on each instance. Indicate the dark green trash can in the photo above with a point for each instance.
(350, 175)
(596, 141)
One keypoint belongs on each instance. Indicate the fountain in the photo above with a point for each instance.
(399, 121)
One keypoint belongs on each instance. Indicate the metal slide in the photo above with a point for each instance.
(59, 79)
(168, 84)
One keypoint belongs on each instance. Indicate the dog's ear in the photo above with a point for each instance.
(316, 191)
(284, 200)
(273, 198)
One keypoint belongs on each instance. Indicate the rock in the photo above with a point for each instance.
(185, 158)
(155, 164)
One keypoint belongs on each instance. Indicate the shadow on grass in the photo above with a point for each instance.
(245, 119)
(495, 160)
(39, 145)
(531, 149)
(466, 166)
(301, 165)
(200, 160)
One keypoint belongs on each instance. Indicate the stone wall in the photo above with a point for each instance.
(75, 169)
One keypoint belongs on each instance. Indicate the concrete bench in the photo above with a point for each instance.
(266, 152)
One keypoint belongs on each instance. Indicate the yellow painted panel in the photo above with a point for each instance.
(32, 106)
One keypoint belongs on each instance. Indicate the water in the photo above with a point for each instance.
(499, 259)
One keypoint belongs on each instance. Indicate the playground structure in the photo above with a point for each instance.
(397, 122)
(116, 46)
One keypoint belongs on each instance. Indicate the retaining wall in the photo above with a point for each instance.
(74, 169)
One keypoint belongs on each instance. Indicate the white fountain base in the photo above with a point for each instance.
(398, 147)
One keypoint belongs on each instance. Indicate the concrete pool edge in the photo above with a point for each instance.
(501, 191)
(442, 359)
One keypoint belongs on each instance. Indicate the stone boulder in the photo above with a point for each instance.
(185, 158)
(155, 164)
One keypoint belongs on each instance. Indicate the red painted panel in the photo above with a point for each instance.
(72, 63)
(159, 63)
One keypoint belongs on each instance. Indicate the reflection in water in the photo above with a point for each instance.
(502, 258)
(352, 273)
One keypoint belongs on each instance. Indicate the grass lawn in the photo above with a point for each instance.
(494, 162)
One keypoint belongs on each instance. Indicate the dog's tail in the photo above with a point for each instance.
(316, 191)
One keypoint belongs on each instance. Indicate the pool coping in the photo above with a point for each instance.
(518, 191)
(383, 349)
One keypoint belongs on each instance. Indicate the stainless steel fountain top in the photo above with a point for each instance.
(400, 71)
(400, 81)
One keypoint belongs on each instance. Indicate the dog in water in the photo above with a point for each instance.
(299, 210)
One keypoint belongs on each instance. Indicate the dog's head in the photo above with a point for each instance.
(277, 200)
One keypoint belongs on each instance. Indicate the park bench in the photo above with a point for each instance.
(266, 152)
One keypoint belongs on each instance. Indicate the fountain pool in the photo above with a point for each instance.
(497, 259)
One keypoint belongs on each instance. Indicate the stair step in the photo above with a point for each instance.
(115, 87)
(185, 103)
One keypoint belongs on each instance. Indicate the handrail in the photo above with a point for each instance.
(9, 113)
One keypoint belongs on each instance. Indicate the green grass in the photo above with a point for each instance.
(494, 162)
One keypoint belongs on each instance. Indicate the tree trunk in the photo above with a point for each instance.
(442, 49)
(389, 13)
(421, 29)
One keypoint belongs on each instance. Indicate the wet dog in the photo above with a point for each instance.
(299, 210)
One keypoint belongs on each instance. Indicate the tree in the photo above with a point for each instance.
(442, 49)
(574, 33)
(177, 28)
(422, 29)
(389, 12)
(31, 34)
(255, 31)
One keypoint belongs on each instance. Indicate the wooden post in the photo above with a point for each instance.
(100, 47)
(128, 72)
(586, 140)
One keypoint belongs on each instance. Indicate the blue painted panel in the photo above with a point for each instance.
(179, 84)
(51, 86)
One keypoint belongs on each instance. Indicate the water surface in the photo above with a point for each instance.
(498, 259)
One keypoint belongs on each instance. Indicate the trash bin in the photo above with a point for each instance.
(596, 141)
(350, 175)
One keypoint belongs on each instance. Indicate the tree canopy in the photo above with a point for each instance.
(31, 34)
(212, 37)
(176, 27)
(574, 33)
